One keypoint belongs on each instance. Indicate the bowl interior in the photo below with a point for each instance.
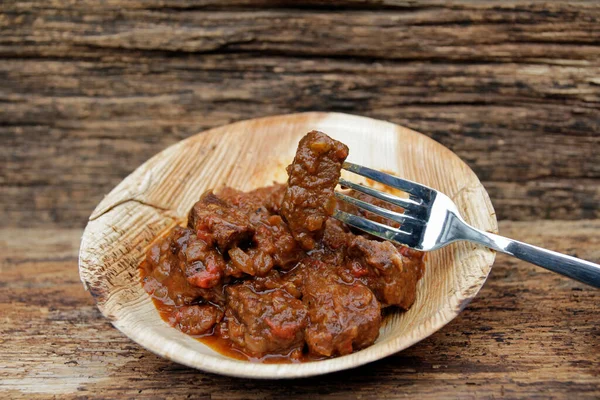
(254, 153)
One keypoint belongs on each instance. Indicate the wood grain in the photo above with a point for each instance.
(529, 333)
(512, 88)
(90, 90)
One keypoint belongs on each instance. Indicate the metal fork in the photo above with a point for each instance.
(431, 220)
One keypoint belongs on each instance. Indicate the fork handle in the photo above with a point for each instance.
(581, 270)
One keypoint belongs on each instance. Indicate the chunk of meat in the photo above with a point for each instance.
(251, 262)
(215, 221)
(273, 280)
(391, 271)
(271, 248)
(313, 175)
(273, 238)
(277, 280)
(262, 200)
(273, 196)
(293, 281)
(164, 278)
(335, 240)
(264, 322)
(343, 317)
(382, 267)
(336, 235)
(202, 265)
(197, 319)
(272, 244)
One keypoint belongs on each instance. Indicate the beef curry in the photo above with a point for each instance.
(268, 275)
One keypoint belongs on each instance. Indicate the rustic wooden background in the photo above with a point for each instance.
(91, 89)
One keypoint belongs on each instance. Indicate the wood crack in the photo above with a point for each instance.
(163, 210)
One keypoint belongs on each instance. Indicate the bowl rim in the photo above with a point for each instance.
(237, 368)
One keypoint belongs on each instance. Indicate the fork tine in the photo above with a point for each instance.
(384, 212)
(407, 204)
(412, 188)
(376, 229)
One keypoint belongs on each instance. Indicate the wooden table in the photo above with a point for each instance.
(89, 90)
